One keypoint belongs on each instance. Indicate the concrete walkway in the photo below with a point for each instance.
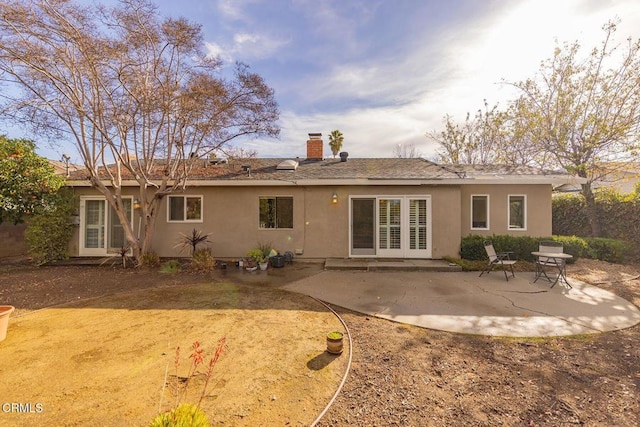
(465, 303)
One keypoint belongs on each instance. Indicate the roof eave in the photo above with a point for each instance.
(493, 180)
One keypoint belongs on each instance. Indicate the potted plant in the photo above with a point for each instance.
(5, 312)
(335, 342)
(258, 257)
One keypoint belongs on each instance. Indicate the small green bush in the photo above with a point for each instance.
(150, 259)
(202, 260)
(184, 415)
(610, 250)
(171, 266)
(49, 231)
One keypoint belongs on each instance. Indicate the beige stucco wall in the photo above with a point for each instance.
(538, 204)
(321, 228)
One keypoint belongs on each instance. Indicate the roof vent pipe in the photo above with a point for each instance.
(343, 156)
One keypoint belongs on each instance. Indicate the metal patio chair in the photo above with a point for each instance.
(502, 259)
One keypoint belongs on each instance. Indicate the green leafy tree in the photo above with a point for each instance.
(28, 182)
(137, 93)
(582, 113)
(335, 141)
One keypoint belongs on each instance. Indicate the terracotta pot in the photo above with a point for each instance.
(335, 342)
(5, 312)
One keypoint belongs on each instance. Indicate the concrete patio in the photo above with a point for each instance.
(465, 303)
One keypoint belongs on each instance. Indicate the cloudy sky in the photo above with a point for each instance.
(386, 71)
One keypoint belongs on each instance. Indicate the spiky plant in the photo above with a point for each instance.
(191, 241)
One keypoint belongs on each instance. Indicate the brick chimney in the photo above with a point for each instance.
(314, 147)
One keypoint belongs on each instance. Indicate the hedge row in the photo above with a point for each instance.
(611, 250)
(618, 215)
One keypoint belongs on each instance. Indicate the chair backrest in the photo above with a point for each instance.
(491, 252)
(551, 247)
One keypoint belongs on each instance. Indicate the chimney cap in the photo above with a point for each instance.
(316, 135)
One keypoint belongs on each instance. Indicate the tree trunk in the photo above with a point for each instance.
(592, 210)
(149, 225)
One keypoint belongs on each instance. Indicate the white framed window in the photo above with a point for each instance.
(517, 214)
(276, 212)
(479, 211)
(184, 209)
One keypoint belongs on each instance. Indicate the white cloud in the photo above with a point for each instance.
(215, 50)
(409, 96)
(234, 9)
(246, 47)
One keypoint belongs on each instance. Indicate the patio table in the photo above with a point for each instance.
(556, 259)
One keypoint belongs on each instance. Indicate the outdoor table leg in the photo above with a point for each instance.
(538, 270)
(562, 275)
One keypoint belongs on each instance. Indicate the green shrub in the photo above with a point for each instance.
(472, 247)
(576, 246)
(184, 415)
(171, 266)
(150, 259)
(569, 215)
(49, 231)
(202, 260)
(610, 250)
(616, 214)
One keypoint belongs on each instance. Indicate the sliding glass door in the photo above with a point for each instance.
(391, 227)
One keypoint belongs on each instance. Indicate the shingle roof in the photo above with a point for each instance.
(265, 169)
(500, 170)
(375, 168)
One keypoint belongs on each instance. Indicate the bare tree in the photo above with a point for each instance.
(406, 151)
(481, 139)
(581, 113)
(240, 153)
(137, 94)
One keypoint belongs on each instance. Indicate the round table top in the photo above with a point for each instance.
(560, 255)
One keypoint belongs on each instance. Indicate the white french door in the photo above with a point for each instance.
(101, 232)
(400, 226)
(419, 228)
(390, 227)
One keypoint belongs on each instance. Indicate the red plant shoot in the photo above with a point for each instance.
(196, 355)
(220, 349)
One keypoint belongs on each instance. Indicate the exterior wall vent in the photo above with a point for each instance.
(287, 165)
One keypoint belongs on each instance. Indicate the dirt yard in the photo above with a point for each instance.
(103, 361)
(401, 375)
